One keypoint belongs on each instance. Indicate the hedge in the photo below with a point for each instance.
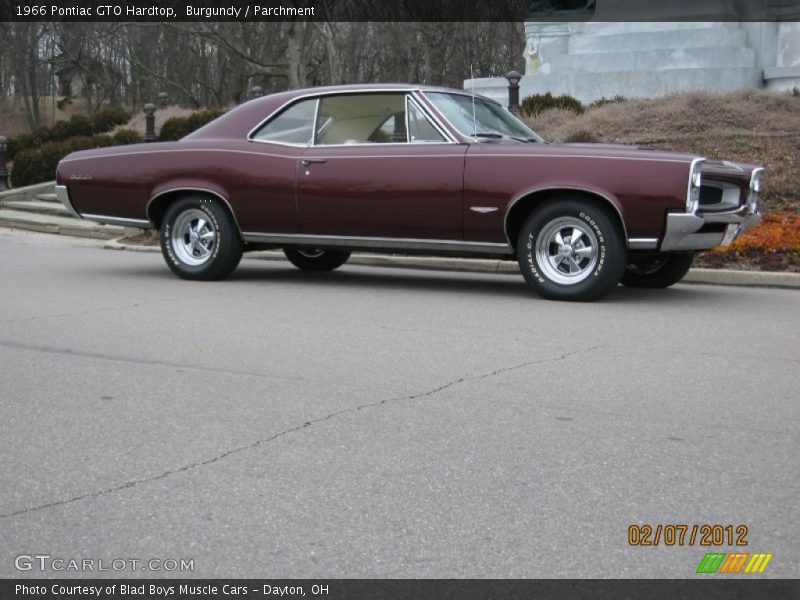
(178, 127)
(44, 147)
(127, 136)
(77, 125)
(533, 105)
(39, 164)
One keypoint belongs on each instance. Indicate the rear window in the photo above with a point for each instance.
(293, 126)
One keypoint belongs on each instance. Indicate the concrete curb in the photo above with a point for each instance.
(27, 192)
(117, 244)
(58, 225)
(745, 278)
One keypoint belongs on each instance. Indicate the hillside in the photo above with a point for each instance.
(748, 126)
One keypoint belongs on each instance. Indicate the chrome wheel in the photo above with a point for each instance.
(193, 237)
(566, 250)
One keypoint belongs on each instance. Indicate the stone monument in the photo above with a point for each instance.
(589, 53)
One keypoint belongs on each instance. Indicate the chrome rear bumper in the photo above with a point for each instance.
(63, 197)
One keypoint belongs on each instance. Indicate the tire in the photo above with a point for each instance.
(572, 249)
(659, 271)
(313, 259)
(199, 239)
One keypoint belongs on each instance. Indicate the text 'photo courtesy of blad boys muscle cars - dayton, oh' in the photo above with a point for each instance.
(407, 169)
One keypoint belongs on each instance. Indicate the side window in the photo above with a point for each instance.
(365, 118)
(420, 129)
(293, 126)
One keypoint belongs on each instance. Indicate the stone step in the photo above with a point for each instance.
(47, 197)
(611, 27)
(656, 40)
(656, 60)
(38, 206)
(17, 219)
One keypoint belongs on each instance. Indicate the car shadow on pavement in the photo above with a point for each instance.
(458, 282)
(677, 295)
(387, 278)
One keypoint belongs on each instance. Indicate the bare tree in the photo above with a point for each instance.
(209, 63)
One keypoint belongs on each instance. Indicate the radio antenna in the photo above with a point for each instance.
(472, 92)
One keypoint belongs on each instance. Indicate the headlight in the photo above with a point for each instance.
(756, 188)
(695, 182)
(757, 182)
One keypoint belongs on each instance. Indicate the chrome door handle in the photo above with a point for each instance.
(307, 161)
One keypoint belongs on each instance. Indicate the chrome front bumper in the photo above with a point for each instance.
(684, 230)
(696, 230)
(63, 197)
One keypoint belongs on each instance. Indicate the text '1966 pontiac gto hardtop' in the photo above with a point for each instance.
(420, 170)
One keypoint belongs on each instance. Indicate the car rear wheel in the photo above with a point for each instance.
(659, 271)
(314, 259)
(199, 239)
(571, 250)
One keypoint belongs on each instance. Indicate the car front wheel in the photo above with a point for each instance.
(571, 250)
(314, 259)
(659, 271)
(199, 239)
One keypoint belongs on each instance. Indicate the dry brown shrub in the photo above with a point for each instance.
(549, 121)
(582, 136)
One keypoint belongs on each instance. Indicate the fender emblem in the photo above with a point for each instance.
(484, 209)
(80, 177)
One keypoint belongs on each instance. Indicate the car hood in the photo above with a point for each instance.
(622, 151)
(574, 150)
(608, 146)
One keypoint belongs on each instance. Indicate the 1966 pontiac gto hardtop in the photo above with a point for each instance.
(399, 168)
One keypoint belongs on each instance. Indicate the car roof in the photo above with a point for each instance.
(366, 87)
(376, 86)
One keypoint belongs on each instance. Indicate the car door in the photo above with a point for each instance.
(379, 167)
(265, 176)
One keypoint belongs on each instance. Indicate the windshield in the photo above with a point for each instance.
(491, 120)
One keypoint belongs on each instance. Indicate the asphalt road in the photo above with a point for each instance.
(385, 422)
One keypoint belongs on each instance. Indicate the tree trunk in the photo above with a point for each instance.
(31, 56)
(294, 53)
(332, 49)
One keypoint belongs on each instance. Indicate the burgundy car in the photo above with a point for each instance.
(410, 169)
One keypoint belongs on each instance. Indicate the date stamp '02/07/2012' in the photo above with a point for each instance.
(682, 534)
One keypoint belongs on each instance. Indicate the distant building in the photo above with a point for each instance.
(591, 59)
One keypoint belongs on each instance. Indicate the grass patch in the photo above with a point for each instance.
(749, 126)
